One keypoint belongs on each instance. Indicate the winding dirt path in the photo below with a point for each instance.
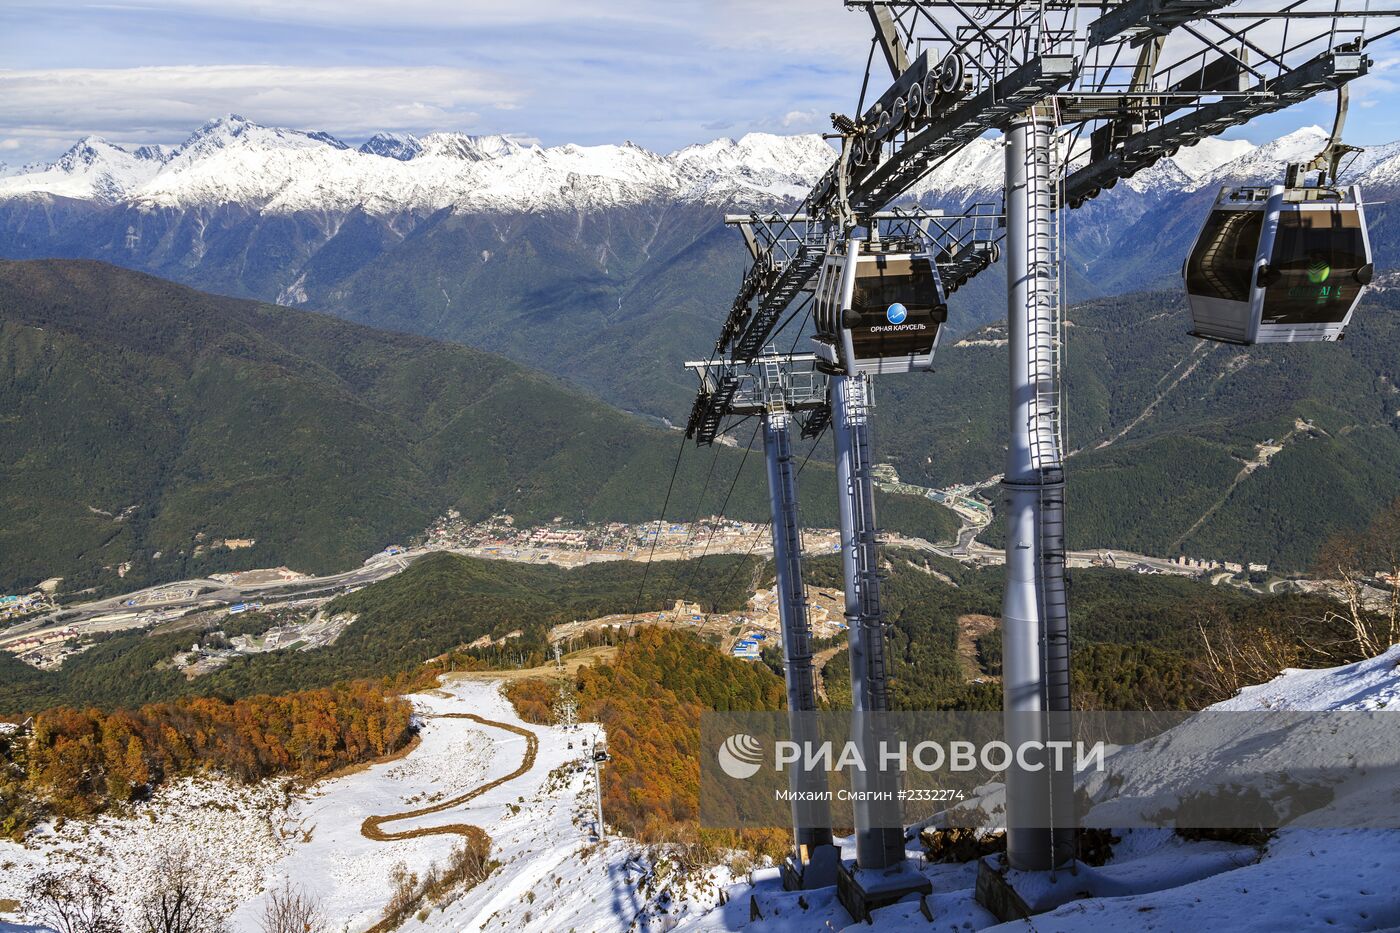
(372, 827)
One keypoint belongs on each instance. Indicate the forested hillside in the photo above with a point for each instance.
(650, 698)
(142, 421)
(1163, 426)
(81, 761)
(439, 603)
(1139, 640)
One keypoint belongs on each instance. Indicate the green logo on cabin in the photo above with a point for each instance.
(1319, 271)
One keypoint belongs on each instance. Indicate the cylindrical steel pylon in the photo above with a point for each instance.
(1035, 624)
(879, 835)
(811, 813)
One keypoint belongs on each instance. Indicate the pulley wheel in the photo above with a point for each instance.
(951, 74)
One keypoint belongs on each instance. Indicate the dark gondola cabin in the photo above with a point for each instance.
(1279, 265)
(879, 308)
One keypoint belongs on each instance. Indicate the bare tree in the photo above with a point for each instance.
(291, 910)
(1239, 658)
(181, 898)
(1366, 571)
(72, 902)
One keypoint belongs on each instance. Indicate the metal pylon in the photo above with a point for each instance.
(1035, 620)
(879, 834)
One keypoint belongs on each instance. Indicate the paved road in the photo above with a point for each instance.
(211, 594)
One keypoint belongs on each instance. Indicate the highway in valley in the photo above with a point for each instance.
(155, 605)
(126, 610)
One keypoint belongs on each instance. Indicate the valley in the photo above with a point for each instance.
(313, 443)
(677, 468)
(297, 601)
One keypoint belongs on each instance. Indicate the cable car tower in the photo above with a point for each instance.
(783, 392)
(1085, 94)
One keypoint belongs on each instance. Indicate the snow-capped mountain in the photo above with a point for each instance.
(621, 249)
(392, 146)
(1195, 162)
(93, 169)
(232, 160)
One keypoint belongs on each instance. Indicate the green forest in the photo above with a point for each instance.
(144, 421)
(1193, 412)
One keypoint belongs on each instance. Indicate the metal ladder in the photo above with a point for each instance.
(1047, 426)
(872, 615)
(1047, 321)
(774, 380)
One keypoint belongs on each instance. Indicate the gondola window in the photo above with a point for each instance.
(1316, 256)
(1222, 265)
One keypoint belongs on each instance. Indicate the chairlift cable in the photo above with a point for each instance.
(695, 564)
(646, 571)
(690, 533)
(768, 525)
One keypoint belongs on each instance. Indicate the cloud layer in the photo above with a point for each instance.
(143, 103)
(662, 74)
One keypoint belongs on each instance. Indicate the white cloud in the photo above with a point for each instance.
(801, 120)
(662, 72)
(156, 101)
(811, 25)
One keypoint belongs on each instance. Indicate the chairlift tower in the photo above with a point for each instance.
(1034, 616)
(1085, 94)
(783, 392)
(879, 831)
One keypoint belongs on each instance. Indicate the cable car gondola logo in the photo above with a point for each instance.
(1319, 271)
(898, 316)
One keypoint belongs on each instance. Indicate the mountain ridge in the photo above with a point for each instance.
(142, 418)
(396, 172)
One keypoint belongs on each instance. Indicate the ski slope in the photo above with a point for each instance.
(555, 876)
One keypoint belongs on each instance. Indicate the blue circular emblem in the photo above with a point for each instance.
(896, 313)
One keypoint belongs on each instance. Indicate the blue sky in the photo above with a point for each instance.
(661, 73)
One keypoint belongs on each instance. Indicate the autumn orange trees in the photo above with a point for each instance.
(82, 761)
(649, 698)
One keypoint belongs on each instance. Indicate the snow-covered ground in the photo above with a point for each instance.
(555, 877)
(1306, 879)
(250, 838)
(247, 828)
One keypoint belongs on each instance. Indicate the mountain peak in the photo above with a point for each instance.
(231, 159)
(152, 152)
(1266, 164)
(451, 145)
(398, 146)
(87, 151)
(217, 132)
(323, 137)
(1209, 154)
(1301, 143)
(234, 131)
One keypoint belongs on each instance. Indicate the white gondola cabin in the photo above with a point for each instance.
(1279, 265)
(879, 308)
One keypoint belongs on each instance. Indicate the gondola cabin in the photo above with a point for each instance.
(879, 308)
(1279, 265)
